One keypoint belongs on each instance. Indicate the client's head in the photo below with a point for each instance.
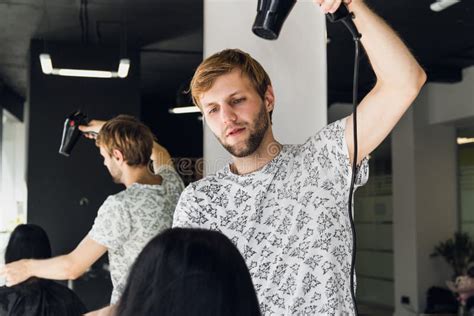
(27, 241)
(189, 272)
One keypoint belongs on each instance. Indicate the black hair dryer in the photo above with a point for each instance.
(270, 17)
(71, 132)
(272, 13)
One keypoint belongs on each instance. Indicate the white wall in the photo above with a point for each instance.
(13, 191)
(404, 215)
(452, 102)
(296, 64)
(425, 200)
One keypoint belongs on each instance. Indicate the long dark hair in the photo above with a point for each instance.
(28, 241)
(189, 272)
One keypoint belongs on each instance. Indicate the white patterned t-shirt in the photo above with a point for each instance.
(290, 222)
(127, 220)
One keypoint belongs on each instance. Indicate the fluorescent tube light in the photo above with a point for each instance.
(464, 140)
(83, 73)
(48, 69)
(184, 109)
(440, 5)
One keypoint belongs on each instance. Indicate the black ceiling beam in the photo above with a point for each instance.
(462, 61)
(463, 58)
(345, 95)
(444, 74)
(11, 101)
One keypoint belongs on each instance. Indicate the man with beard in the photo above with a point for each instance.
(127, 220)
(286, 206)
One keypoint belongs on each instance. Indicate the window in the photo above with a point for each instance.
(374, 226)
(13, 191)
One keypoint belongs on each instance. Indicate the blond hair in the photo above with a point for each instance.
(128, 135)
(223, 63)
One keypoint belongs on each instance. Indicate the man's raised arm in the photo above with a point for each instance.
(399, 79)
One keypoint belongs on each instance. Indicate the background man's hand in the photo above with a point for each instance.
(92, 129)
(15, 272)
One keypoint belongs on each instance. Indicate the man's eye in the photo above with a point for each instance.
(211, 111)
(237, 101)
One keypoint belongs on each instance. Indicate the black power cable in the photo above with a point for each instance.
(354, 169)
(81, 20)
(343, 15)
(84, 21)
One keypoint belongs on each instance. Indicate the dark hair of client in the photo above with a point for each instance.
(189, 272)
(35, 296)
(28, 241)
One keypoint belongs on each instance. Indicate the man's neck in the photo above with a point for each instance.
(140, 175)
(256, 161)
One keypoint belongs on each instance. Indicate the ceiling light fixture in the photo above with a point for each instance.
(48, 69)
(440, 5)
(464, 140)
(184, 110)
(184, 101)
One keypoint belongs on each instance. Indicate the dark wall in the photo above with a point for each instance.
(181, 134)
(64, 193)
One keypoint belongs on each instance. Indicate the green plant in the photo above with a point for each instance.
(458, 252)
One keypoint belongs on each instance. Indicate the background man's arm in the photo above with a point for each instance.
(105, 311)
(66, 267)
(160, 156)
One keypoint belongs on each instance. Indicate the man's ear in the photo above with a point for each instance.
(269, 98)
(117, 155)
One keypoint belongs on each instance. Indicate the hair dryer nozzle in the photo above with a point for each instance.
(270, 17)
(71, 132)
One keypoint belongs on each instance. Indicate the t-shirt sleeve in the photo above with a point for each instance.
(112, 225)
(329, 147)
(187, 213)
